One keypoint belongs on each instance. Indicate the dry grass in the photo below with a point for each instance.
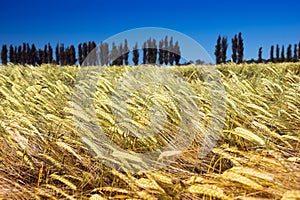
(257, 157)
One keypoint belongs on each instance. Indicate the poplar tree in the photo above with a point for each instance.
(259, 60)
(295, 58)
(4, 55)
(289, 53)
(272, 54)
(240, 48)
(277, 53)
(126, 52)
(234, 49)
(177, 52)
(135, 58)
(218, 50)
(224, 49)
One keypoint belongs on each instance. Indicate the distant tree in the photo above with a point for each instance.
(224, 49)
(177, 52)
(299, 51)
(89, 47)
(218, 50)
(166, 50)
(80, 58)
(171, 51)
(152, 51)
(282, 54)
(277, 53)
(57, 54)
(62, 56)
(45, 54)
(19, 55)
(33, 56)
(120, 55)
(50, 54)
(135, 58)
(289, 53)
(126, 52)
(272, 54)
(106, 53)
(295, 58)
(16, 54)
(93, 54)
(154, 47)
(4, 55)
(11, 54)
(27, 55)
(149, 51)
(234, 48)
(72, 55)
(145, 53)
(240, 48)
(161, 52)
(23, 54)
(39, 56)
(259, 60)
(85, 51)
(67, 56)
(114, 54)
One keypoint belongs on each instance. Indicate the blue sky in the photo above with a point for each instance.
(262, 23)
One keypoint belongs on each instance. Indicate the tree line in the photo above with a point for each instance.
(237, 46)
(292, 54)
(166, 53)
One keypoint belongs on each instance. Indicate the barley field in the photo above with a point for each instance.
(257, 155)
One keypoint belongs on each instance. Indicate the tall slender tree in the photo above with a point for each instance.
(106, 53)
(259, 60)
(85, 51)
(277, 53)
(234, 42)
(299, 51)
(120, 55)
(166, 50)
(145, 53)
(282, 54)
(272, 54)
(45, 54)
(62, 56)
(295, 58)
(218, 49)
(171, 51)
(23, 54)
(240, 48)
(4, 55)
(224, 49)
(135, 58)
(16, 55)
(154, 51)
(19, 55)
(57, 54)
(177, 53)
(33, 56)
(126, 52)
(11, 54)
(50, 54)
(161, 52)
(149, 51)
(72, 55)
(289, 53)
(114, 54)
(80, 58)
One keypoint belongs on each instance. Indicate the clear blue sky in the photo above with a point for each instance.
(262, 23)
